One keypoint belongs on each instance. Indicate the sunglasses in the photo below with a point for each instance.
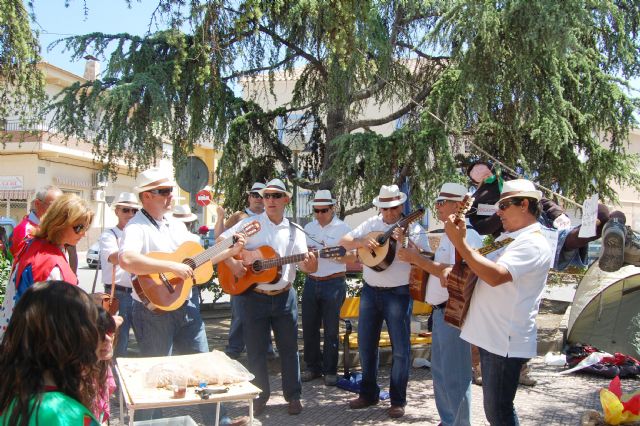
(162, 191)
(276, 195)
(441, 203)
(505, 204)
(129, 210)
(389, 208)
(79, 228)
(320, 210)
(255, 195)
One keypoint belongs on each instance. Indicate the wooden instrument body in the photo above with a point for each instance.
(418, 278)
(380, 258)
(165, 291)
(237, 285)
(460, 285)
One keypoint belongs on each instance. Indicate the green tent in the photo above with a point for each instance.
(605, 312)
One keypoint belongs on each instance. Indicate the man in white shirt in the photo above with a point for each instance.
(504, 305)
(385, 297)
(126, 206)
(450, 355)
(324, 292)
(274, 305)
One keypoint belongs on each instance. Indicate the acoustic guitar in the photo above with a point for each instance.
(381, 257)
(264, 266)
(164, 292)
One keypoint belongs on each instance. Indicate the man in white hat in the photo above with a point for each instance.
(152, 229)
(125, 207)
(385, 296)
(450, 355)
(255, 206)
(501, 317)
(273, 306)
(324, 292)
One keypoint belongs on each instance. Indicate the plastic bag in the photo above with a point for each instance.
(214, 367)
(555, 359)
(619, 408)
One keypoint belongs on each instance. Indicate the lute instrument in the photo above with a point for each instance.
(264, 266)
(380, 258)
(163, 292)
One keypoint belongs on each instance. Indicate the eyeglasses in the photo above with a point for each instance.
(505, 204)
(389, 208)
(276, 195)
(320, 210)
(162, 191)
(255, 195)
(79, 228)
(128, 210)
(441, 203)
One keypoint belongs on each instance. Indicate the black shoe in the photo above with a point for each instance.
(308, 375)
(258, 407)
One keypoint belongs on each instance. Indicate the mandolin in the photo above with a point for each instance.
(264, 267)
(163, 292)
(381, 257)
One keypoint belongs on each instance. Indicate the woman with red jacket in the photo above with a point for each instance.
(43, 258)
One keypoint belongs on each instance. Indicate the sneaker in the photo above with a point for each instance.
(612, 255)
(476, 376)
(632, 247)
(525, 379)
(330, 380)
(309, 375)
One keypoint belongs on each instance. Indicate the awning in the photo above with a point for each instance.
(16, 194)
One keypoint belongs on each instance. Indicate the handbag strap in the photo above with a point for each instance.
(113, 283)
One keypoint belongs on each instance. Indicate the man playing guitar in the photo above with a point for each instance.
(450, 355)
(152, 229)
(385, 296)
(273, 305)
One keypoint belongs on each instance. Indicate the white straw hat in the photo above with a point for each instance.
(389, 196)
(127, 199)
(275, 185)
(151, 179)
(256, 187)
(452, 191)
(323, 198)
(183, 212)
(519, 188)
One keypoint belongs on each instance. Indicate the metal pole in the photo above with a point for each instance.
(295, 187)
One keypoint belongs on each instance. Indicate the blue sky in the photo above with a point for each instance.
(54, 21)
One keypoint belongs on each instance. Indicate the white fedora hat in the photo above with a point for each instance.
(256, 187)
(389, 196)
(127, 199)
(323, 198)
(519, 188)
(183, 212)
(151, 179)
(452, 191)
(275, 185)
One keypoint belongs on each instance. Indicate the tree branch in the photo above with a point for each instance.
(312, 59)
(259, 69)
(421, 53)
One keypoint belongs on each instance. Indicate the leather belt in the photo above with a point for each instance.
(379, 288)
(328, 277)
(107, 288)
(273, 292)
(440, 306)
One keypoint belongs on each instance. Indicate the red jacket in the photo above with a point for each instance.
(21, 233)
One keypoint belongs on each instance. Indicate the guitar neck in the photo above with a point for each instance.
(211, 252)
(279, 261)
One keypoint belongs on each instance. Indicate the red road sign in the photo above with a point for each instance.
(203, 197)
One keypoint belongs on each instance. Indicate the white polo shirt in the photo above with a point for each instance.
(319, 236)
(276, 237)
(446, 253)
(142, 236)
(502, 319)
(397, 274)
(109, 243)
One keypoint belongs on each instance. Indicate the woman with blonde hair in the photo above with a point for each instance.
(43, 258)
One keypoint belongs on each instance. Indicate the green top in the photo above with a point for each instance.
(57, 409)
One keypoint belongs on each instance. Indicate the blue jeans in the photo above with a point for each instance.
(451, 371)
(260, 314)
(182, 330)
(236, 338)
(321, 302)
(500, 377)
(394, 306)
(125, 311)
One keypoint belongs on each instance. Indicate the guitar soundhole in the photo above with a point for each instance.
(190, 263)
(381, 240)
(256, 266)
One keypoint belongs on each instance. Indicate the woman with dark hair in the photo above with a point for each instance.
(47, 351)
(43, 257)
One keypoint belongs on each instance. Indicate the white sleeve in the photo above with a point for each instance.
(132, 239)
(419, 236)
(361, 230)
(300, 243)
(108, 246)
